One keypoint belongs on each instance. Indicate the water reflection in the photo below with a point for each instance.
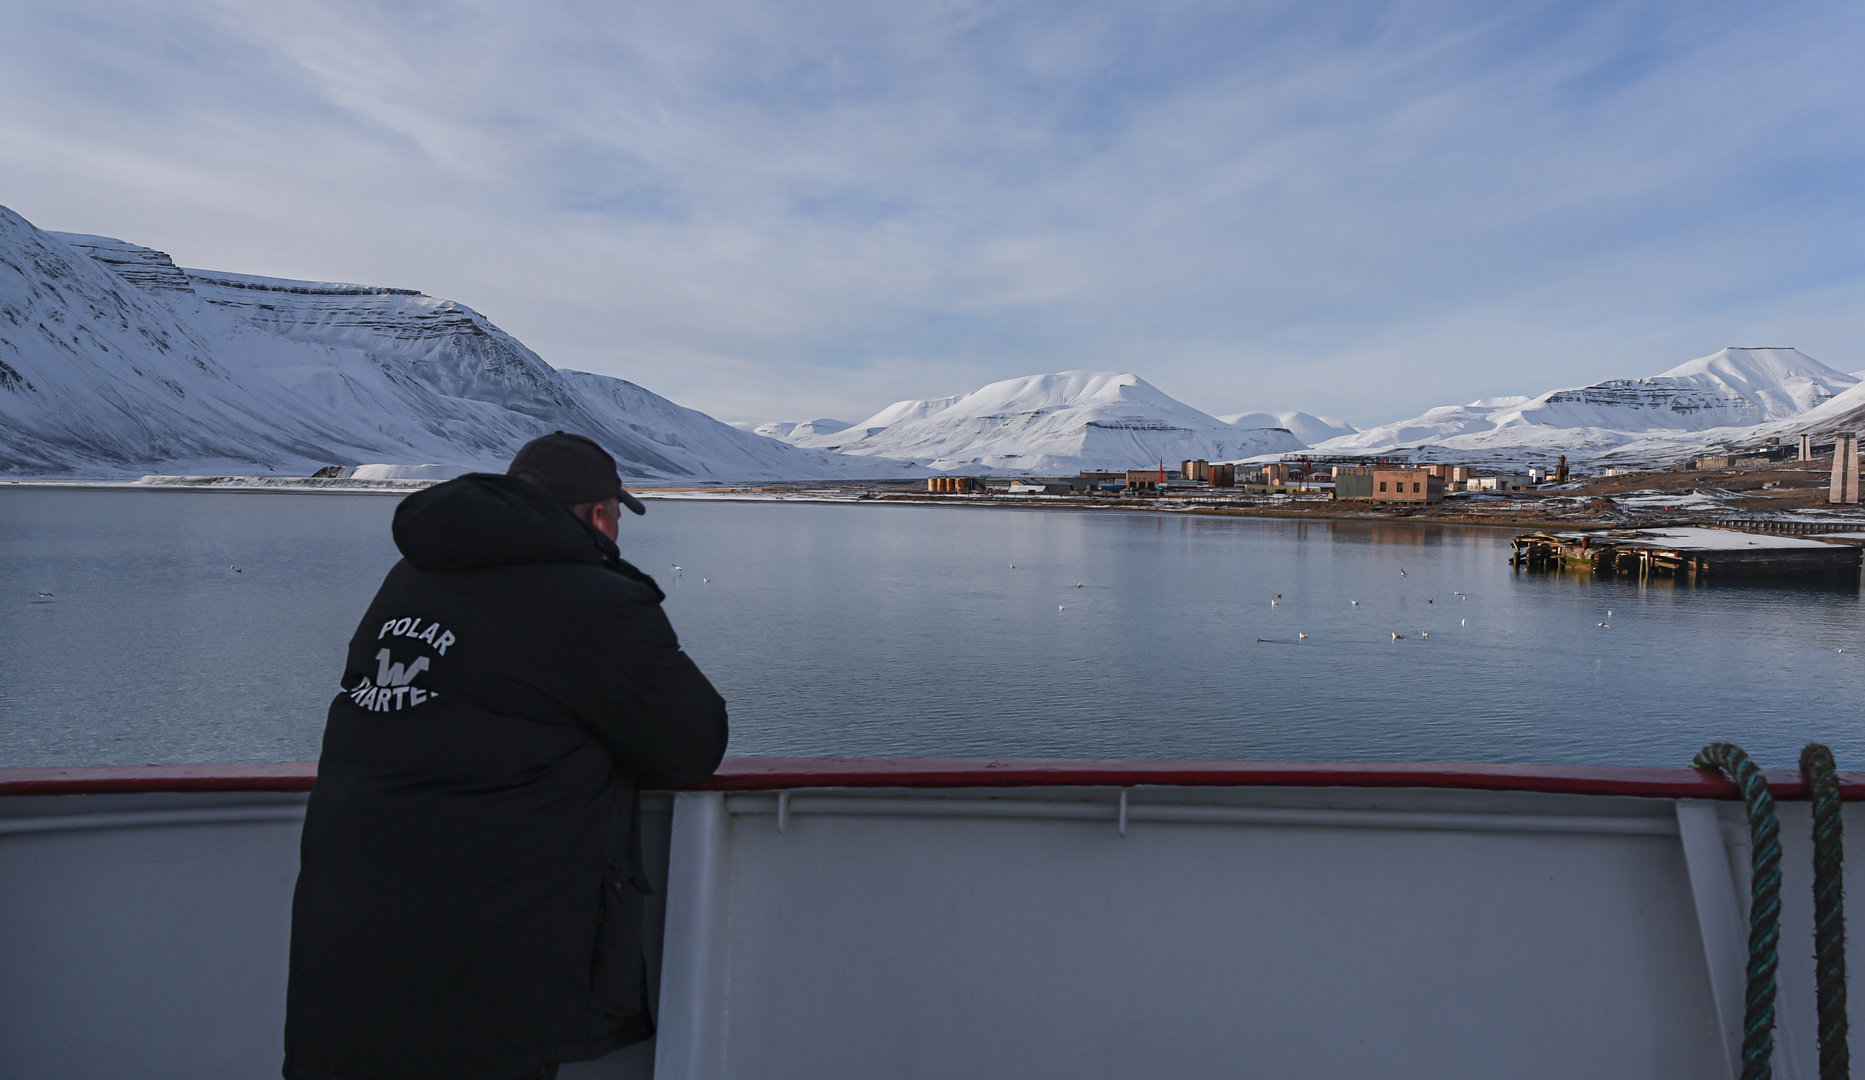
(903, 630)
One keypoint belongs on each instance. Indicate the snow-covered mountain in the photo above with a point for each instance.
(114, 361)
(1844, 414)
(1058, 423)
(1709, 400)
(1309, 429)
(792, 430)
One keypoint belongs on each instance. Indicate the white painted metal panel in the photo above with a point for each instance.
(147, 936)
(868, 942)
(155, 949)
(1252, 931)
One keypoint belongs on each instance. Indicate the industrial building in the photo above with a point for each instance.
(1353, 482)
(1405, 485)
(1502, 482)
(1218, 476)
(1388, 485)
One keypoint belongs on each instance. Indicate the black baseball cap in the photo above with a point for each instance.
(573, 469)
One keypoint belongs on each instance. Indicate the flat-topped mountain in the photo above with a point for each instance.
(114, 361)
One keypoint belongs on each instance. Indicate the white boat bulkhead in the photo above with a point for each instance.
(973, 919)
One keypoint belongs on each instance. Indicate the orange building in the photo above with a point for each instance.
(1407, 485)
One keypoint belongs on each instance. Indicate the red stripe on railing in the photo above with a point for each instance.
(129, 779)
(767, 774)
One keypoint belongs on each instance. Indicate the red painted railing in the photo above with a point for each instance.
(764, 774)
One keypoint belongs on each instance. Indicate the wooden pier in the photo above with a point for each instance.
(1786, 528)
(1692, 555)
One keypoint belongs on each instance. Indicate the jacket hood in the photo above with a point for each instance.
(488, 519)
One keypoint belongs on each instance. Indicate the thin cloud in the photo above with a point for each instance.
(816, 208)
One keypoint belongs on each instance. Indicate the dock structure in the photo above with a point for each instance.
(1787, 526)
(1693, 555)
(1845, 487)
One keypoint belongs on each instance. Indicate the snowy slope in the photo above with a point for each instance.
(113, 362)
(792, 430)
(1845, 413)
(1058, 423)
(97, 374)
(1705, 401)
(898, 413)
(1309, 429)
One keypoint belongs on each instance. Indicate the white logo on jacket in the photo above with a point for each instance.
(391, 689)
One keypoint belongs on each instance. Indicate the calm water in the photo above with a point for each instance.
(896, 630)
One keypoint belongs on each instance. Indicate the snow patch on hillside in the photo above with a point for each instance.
(406, 472)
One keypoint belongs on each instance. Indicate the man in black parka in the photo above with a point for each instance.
(469, 901)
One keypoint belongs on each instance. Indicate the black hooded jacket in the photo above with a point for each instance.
(469, 901)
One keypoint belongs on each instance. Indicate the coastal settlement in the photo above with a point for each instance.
(1774, 511)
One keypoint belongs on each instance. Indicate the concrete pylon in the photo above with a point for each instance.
(1806, 448)
(1845, 470)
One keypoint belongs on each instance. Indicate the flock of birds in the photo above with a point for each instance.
(1396, 636)
(1277, 602)
(1303, 636)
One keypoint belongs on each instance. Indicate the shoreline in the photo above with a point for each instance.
(297, 486)
(1324, 510)
(1516, 513)
(1639, 501)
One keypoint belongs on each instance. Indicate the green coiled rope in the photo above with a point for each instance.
(1764, 915)
(1829, 908)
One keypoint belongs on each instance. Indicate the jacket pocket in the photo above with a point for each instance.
(618, 980)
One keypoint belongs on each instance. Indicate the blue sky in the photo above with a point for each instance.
(814, 209)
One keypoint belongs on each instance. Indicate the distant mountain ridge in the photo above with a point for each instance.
(1710, 399)
(792, 430)
(114, 362)
(1063, 422)
(1309, 429)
